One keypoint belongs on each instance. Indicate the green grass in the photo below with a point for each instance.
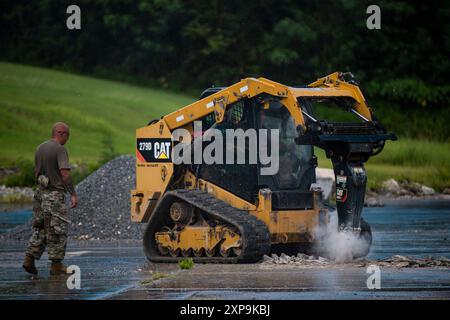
(426, 162)
(32, 99)
(14, 198)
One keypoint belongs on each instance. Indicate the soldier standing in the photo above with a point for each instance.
(50, 221)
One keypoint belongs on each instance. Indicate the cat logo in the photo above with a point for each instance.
(161, 150)
(153, 150)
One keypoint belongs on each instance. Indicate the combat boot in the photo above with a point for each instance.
(28, 265)
(57, 268)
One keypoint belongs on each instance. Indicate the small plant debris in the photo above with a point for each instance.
(155, 276)
(186, 263)
(159, 275)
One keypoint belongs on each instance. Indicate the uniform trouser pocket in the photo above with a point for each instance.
(54, 206)
(38, 215)
(58, 225)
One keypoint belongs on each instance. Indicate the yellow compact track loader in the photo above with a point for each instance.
(230, 212)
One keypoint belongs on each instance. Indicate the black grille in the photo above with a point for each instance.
(350, 128)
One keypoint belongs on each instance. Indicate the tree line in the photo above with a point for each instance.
(189, 45)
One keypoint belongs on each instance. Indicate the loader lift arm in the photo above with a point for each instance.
(218, 102)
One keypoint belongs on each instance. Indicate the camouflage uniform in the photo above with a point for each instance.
(50, 224)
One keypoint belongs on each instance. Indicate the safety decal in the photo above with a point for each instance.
(341, 188)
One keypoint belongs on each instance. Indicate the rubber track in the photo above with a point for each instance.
(254, 233)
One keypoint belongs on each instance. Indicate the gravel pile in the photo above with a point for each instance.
(103, 211)
(399, 261)
(299, 259)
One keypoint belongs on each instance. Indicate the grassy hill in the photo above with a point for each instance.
(103, 116)
(32, 99)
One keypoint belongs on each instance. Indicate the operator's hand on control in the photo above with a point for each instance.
(73, 201)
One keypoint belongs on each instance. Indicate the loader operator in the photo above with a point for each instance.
(50, 221)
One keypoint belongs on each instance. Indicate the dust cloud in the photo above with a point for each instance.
(338, 246)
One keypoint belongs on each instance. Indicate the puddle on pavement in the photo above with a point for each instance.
(13, 215)
(111, 268)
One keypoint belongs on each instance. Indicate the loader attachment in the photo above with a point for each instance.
(349, 145)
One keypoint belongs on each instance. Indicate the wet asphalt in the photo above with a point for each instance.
(119, 270)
